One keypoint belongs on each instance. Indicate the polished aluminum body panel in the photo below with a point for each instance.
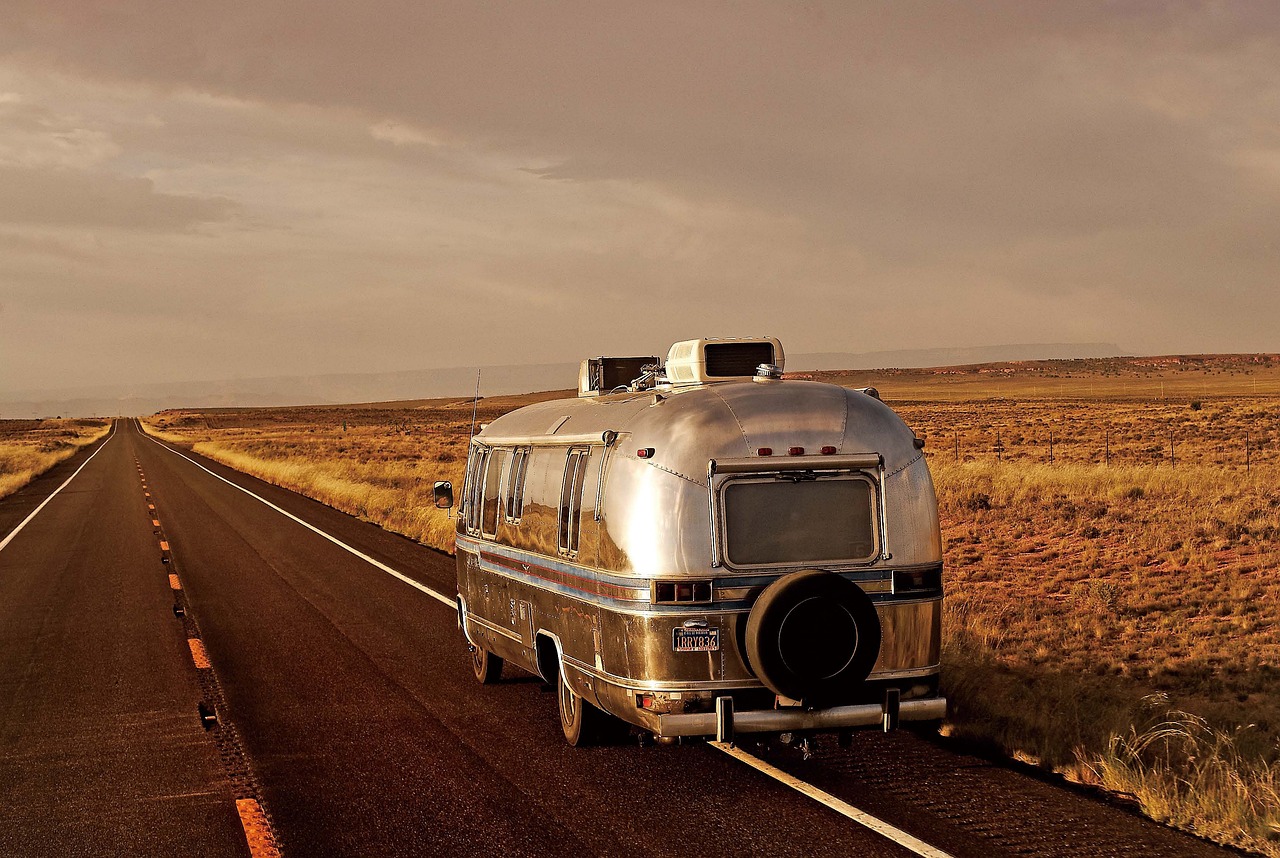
(647, 520)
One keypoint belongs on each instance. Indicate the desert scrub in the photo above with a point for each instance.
(1190, 774)
(28, 448)
(1077, 594)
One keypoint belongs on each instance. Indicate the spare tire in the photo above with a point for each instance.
(813, 636)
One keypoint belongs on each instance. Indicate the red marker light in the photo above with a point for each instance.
(828, 450)
(796, 451)
(644, 453)
(764, 451)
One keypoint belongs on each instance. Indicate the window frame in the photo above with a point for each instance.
(494, 466)
(473, 491)
(873, 512)
(569, 510)
(514, 490)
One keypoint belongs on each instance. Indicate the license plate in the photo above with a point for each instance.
(696, 640)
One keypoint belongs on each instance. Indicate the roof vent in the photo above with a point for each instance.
(721, 359)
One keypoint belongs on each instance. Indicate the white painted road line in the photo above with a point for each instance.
(897, 835)
(335, 540)
(36, 511)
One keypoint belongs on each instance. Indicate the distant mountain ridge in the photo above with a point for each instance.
(914, 358)
(343, 388)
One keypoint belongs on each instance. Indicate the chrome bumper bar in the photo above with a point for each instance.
(793, 720)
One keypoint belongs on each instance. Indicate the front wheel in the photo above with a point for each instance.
(487, 666)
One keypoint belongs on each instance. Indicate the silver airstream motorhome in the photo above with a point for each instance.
(698, 547)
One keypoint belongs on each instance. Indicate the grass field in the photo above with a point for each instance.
(28, 448)
(1110, 527)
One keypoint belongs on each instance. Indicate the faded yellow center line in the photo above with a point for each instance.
(175, 584)
(262, 843)
(198, 654)
(164, 546)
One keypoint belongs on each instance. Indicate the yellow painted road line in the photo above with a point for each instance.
(174, 583)
(879, 826)
(36, 511)
(335, 540)
(198, 654)
(262, 843)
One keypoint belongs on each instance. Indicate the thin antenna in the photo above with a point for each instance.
(475, 403)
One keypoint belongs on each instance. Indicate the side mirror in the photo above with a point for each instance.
(443, 492)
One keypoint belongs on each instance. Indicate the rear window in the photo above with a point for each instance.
(785, 522)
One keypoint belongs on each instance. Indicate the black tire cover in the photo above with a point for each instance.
(813, 636)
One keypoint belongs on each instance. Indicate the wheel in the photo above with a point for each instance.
(487, 666)
(813, 636)
(582, 723)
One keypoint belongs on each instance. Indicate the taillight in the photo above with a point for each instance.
(681, 592)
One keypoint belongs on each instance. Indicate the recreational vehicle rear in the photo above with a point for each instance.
(698, 546)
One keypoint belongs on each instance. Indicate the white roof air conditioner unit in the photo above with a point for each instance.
(714, 359)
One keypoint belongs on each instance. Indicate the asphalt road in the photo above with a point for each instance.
(346, 708)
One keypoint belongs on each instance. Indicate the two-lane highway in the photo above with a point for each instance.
(341, 699)
(101, 752)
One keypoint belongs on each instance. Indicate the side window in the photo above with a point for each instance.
(492, 496)
(575, 470)
(515, 484)
(474, 488)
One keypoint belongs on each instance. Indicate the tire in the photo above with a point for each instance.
(813, 636)
(582, 723)
(487, 666)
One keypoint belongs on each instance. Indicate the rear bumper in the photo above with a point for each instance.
(796, 720)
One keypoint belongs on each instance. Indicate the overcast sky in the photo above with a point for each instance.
(196, 190)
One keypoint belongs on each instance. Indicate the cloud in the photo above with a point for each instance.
(851, 176)
(31, 136)
(398, 134)
(66, 198)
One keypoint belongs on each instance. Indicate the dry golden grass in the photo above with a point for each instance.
(28, 448)
(1079, 592)
(376, 463)
(1110, 527)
